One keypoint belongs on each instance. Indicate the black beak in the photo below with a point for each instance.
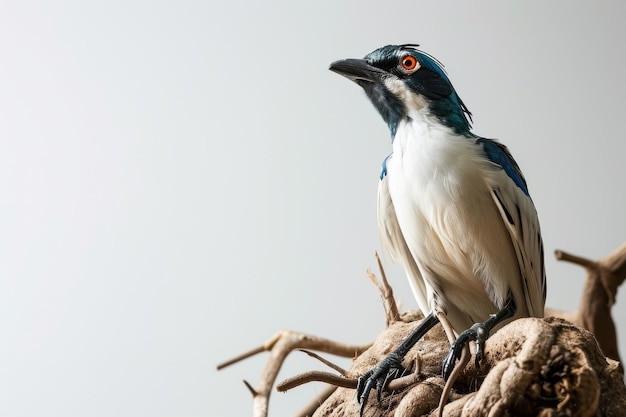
(358, 70)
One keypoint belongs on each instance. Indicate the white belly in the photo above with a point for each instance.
(439, 188)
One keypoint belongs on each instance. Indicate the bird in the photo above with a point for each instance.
(453, 209)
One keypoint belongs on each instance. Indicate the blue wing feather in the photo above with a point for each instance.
(520, 217)
(383, 169)
(500, 155)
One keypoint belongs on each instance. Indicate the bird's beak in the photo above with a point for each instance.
(358, 70)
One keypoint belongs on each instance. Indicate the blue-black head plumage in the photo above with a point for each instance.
(421, 74)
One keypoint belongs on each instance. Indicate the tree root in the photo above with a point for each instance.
(531, 367)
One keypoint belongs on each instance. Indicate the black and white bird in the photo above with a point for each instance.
(453, 208)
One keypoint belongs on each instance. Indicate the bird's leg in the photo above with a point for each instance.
(463, 360)
(479, 333)
(391, 366)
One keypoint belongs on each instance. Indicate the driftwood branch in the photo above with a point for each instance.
(531, 367)
(279, 346)
(284, 342)
(389, 302)
(604, 277)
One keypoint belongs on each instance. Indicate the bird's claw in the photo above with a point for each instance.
(378, 377)
(479, 333)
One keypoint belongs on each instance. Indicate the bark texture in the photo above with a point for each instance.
(532, 367)
(567, 364)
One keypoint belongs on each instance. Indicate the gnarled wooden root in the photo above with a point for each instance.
(531, 367)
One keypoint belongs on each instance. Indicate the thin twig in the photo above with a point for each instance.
(578, 260)
(315, 376)
(389, 302)
(325, 362)
(250, 388)
(458, 368)
(279, 346)
(340, 381)
(241, 357)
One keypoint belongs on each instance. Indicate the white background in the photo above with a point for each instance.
(180, 180)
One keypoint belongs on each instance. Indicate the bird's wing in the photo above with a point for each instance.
(394, 244)
(518, 212)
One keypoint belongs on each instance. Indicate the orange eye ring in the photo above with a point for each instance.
(409, 63)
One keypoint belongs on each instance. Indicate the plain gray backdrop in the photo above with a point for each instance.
(180, 180)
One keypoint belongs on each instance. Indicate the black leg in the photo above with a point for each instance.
(390, 367)
(479, 332)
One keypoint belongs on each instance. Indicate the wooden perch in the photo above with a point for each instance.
(594, 312)
(284, 342)
(531, 367)
(279, 346)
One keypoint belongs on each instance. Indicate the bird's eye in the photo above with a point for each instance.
(409, 63)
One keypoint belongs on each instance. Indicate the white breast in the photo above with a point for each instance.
(438, 185)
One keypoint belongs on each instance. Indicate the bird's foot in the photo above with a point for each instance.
(378, 378)
(479, 333)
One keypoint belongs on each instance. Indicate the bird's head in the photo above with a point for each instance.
(403, 82)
